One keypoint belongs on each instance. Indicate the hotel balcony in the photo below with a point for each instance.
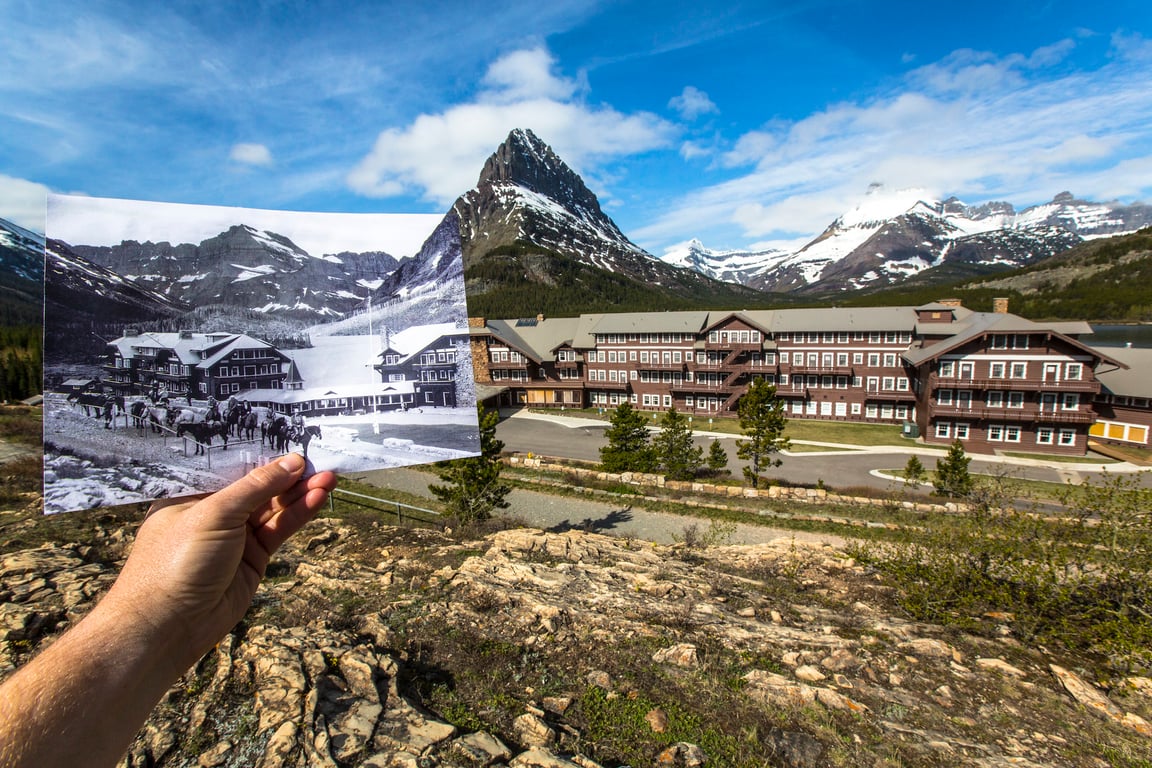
(1030, 385)
(1029, 415)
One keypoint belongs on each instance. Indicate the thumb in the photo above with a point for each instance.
(251, 494)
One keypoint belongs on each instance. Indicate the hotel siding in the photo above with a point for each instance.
(994, 381)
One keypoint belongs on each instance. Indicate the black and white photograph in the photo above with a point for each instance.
(186, 344)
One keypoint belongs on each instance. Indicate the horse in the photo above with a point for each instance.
(236, 416)
(92, 402)
(248, 426)
(304, 436)
(277, 432)
(203, 432)
(139, 412)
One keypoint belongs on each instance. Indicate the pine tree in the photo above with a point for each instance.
(674, 449)
(717, 457)
(914, 472)
(472, 486)
(952, 477)
(762, 421)
(628, 448)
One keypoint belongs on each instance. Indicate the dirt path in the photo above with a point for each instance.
(544, 510)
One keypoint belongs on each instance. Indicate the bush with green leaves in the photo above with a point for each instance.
(1079, 580)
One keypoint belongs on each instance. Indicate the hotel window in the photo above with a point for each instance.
(874, 337)
(713, 336)
(944, 397)
(857, 381)
(999, 341)
(756, 337)
(901, 411)
(611, 356)
(1067, 437)
(996, 433)
(996, 370)
(631, 355)
(890, 337)
(947, 369)
(874, 360)
(842, 360)
(856, 409)
(962, 430)
(902, 383)
(1019, 370)
(1044, 435)
(1015, 399)
(842, 337)
(889, 361)
(1071, 401)
(826, 382)
(1011, 434)
(783, 378)
(829, 337)
(667, 401)
(1020, 341)
(857, 358)
(1073, 371)
(889, 382)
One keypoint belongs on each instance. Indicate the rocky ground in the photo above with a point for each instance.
(370, 645)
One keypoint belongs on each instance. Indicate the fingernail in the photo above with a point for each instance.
(292, 462)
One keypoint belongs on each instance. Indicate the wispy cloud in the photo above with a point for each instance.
(251, 154)
(1018, 127)
(438, 155)
(22, 202)
(692, 102)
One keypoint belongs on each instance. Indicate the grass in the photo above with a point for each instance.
(842, 432)
(1094, 458)
(1020, 488)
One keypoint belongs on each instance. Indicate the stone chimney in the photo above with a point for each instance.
(1000, 305)
(477, 322)
(951, 302)
(540, 317)
(131, 331)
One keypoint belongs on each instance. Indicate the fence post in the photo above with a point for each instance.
(399, 517)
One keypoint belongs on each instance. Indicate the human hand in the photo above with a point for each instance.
(195, 565)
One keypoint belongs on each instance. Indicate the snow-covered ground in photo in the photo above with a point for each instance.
(87, 466)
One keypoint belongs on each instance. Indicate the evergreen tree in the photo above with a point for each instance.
(914, 472)
(472, 486)
(674, 449)
(762, 421)
(628, 448)
(717, 457)
(952, 477)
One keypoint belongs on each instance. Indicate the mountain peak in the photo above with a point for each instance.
(526, 161)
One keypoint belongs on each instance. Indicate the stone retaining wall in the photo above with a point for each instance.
(642, 479)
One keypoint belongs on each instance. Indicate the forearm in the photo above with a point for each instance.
(83, 699)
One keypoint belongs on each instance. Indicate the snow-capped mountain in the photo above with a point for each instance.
(894, 235)
(531, 219)
(248, 268)
(21, 275)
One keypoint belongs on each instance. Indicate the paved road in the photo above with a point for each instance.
(561, 513)
(548, 435)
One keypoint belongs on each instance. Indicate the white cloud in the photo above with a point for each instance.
(439, 155)
(251, 154)
(692, 102)
(1018, 128)
(23, 202)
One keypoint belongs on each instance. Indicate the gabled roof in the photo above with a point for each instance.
(979, 324)
(652, 322)
(1133, 381)
(834, 319)
(415, 339)
(538, 341)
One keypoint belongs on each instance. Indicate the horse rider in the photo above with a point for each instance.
(213, 410)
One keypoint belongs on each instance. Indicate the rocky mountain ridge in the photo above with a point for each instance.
(894, 235)
(531, 225)
(375, 646)
(21, 274)
(247, 268)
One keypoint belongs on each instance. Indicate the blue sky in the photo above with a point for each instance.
(737, 123)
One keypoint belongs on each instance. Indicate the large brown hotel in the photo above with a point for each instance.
(992, 379)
